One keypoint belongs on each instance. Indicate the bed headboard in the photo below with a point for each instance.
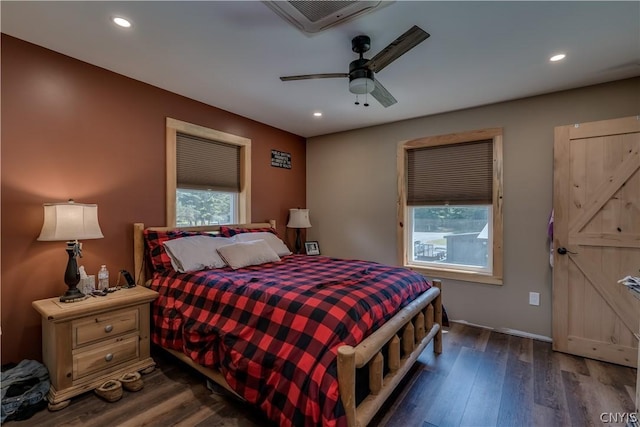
(139, 246)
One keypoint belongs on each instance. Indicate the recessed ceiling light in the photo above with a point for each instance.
(317, 114)
(121, 22)
(558, 57)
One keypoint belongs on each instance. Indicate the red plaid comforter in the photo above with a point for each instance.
(274, 330)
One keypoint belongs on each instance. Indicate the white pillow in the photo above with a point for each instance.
(243, 254)
(194, 253)
(274, 241)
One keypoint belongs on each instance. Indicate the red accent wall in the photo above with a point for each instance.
(74, 130)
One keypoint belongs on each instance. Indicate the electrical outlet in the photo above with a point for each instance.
(534, 298)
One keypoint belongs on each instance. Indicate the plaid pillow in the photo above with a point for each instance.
(158, 256)
(232, 231)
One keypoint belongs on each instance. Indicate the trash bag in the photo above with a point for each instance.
(24, 390)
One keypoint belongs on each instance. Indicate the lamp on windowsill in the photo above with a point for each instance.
(298, 218)
(70, 221)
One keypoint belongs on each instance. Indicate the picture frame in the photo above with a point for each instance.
(312, 247)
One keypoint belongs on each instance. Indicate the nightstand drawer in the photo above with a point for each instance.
(106, 325)
(104, 356)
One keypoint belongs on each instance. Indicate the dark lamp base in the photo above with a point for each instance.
(72, 275)
(298, 246)
(72, 295)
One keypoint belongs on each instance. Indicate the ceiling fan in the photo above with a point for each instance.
(361, 71)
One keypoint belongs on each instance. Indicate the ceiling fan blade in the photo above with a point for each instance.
(382, 95)
(314, 76)
(413, 37)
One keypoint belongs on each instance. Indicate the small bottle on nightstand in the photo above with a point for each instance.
(103, 278)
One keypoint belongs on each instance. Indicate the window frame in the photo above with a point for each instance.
(403, 237)
(244, 195)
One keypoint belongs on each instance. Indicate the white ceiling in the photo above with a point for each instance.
(231, 54)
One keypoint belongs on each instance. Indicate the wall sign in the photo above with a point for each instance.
(280, 159)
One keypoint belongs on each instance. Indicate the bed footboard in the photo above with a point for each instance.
(405, 335)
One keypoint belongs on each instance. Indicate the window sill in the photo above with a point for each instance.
(456, 275)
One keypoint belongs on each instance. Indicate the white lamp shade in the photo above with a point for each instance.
(361, 85)
(299, 218)
(70, 221)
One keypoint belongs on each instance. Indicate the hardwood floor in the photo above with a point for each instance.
(482, 378)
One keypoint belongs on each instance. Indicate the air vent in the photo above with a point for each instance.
(315, 16)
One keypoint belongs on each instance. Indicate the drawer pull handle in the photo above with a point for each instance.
(108, 328)
(109, 357)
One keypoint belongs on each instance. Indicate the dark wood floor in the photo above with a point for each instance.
(482, 378)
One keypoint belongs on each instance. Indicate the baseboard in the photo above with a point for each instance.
(507, 331)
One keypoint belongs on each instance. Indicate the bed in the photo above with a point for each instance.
(310, 340)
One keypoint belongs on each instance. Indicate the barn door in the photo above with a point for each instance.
(596, 239)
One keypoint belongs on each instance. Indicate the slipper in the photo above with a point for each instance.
(111, 391)
(132, 381)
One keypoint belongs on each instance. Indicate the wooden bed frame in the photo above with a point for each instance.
(405, 336)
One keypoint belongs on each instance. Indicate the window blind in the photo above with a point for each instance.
(207, 164)
(455, 174)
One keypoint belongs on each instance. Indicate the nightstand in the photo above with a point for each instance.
(88, 342)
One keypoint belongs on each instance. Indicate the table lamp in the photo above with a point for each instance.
(298, 218)
(70, 221)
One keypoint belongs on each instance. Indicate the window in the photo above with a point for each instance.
(208, 176)
(205, 207)
(450, 205)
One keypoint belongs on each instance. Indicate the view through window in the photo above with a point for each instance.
(456, 236)
(205, 207)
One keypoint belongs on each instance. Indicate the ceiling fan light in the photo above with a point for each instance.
(361, 85)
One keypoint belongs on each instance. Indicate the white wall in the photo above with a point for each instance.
(352, 192)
